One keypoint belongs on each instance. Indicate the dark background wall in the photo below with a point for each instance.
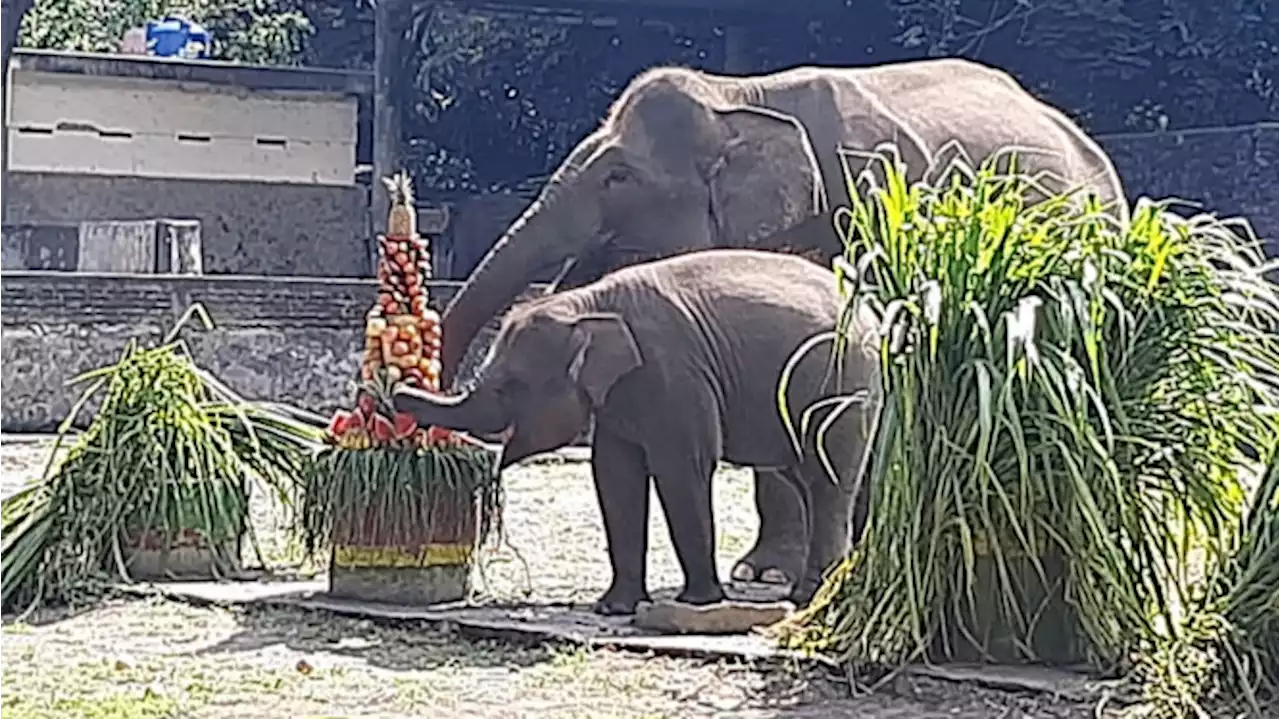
(255, 228)
(1229, 171)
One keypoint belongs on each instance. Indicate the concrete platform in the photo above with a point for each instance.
(576, 624)
(571, 623)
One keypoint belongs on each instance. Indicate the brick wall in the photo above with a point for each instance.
(292, 340)
(232, 301)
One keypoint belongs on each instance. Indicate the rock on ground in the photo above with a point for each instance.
(727, 617)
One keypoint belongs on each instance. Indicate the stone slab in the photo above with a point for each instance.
(576, 624)
(727, 617)
(1072, 685)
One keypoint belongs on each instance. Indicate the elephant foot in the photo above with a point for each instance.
(701, 595)
(769, 566)
(803, 592)
(618, 604)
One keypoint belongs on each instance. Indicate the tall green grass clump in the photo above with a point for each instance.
(170, 451)
(1073, 404)
(1225, 661)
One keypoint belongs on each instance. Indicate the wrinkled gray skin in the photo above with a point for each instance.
(679, 361)
(687, 160)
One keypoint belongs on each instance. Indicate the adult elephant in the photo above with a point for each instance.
(689, 160)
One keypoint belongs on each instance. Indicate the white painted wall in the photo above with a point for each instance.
(159, 128)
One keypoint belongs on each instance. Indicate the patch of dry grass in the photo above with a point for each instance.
(156, 658)
(152, 659)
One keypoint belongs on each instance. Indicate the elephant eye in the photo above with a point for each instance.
(617, 176)
(513, 387)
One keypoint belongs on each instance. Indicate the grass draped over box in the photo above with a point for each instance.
(1058, 385)
(394, 496)
(170, 451)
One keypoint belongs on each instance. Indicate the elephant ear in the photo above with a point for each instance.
(606, 351)
(766, 177)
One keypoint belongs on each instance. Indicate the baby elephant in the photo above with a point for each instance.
(679, 359)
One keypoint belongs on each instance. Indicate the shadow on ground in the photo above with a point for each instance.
(763, 689)
(394, 645)
(91, 597)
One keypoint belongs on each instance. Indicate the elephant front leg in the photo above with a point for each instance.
(622, 488)
(781, 547)
(683, 478)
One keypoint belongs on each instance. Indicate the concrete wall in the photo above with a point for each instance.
(263, 157)
(1230, 171)
(133, 115)
(129, 126)
(252, 228)
(292, 340)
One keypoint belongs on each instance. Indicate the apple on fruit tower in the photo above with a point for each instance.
(402, 338)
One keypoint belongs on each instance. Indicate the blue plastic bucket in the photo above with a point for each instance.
(177, 37)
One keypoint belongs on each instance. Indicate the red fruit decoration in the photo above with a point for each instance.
(404, 425)
(402, 338)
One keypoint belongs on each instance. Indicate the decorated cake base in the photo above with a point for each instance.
(434, 574)
(182, 552)
(405, 568)
(402, 522)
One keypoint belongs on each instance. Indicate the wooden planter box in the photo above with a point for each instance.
(431, 568)
(187, 553)
(188, 556)
(1056, 637)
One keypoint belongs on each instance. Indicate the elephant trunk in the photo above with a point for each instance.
(465, 412)
(554, 229)
(543, 236)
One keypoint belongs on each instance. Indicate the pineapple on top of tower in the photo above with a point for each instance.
(402, 333)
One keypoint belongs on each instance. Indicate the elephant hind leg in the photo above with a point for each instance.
(782, 544)
(839, 508)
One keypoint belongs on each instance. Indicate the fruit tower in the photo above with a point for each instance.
(402, 506)
(402, 337)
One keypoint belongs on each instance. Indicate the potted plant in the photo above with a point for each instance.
(402, 507)
(156, 487)
(1071, 402)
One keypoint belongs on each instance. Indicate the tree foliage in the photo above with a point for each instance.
(496, 101)
(252, 31)
(1117, 65)
(501, 99)
(343, 34)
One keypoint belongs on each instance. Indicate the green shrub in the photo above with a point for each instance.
(1058, 386)
(169, 452)
(1227, 654)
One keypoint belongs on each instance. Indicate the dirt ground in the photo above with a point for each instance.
(155, 658)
